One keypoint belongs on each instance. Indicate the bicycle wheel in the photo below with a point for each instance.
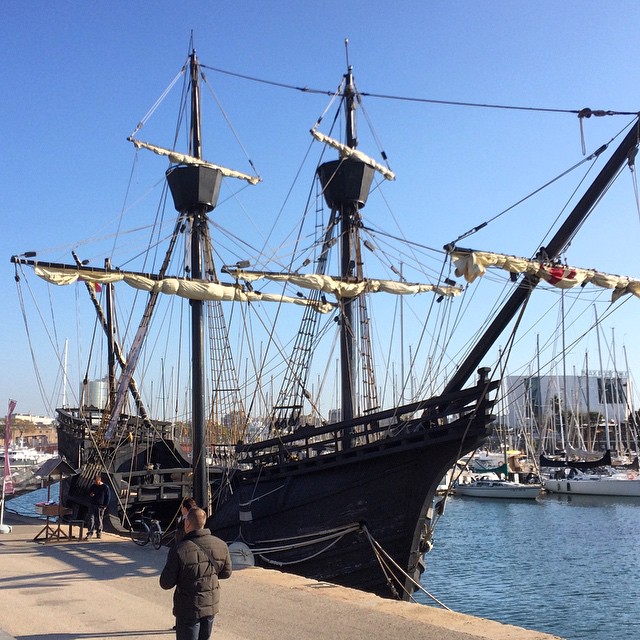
(140, 532)
(156, 536)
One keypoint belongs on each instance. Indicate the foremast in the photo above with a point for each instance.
(195, 190)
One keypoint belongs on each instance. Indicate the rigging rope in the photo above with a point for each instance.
(29, 339)
(333, 536)
(228, 121)
(634, 178)
(593, 157)
(501, 365)
(157, 103)
(382, 554)
(581, 113)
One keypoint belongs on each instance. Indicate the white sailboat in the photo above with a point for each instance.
(606, 483)
(504, 489)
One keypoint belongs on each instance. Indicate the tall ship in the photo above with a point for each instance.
(303, 467)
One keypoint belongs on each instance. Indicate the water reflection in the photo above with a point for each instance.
(565, 565)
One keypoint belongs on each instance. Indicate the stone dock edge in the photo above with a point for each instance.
(108, 589)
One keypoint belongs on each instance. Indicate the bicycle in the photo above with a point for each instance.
(146, 529)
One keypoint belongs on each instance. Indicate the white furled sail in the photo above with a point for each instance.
(474, 264)
(348, 152)
(191, 289)
(180, 158)
(342, 289)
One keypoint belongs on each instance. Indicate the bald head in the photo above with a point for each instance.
(195, 519)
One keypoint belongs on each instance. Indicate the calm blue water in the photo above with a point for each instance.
(24, 504)
(569, 566)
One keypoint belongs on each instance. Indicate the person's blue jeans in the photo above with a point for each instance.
(96, 517)
(199, 630)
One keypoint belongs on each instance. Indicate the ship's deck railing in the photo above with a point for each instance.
(310, 441)
(154, 484)
(78, 421)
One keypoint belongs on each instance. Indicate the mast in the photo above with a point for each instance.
(589, 444)
(65, 380)
(630, 405)
(603, 386)
(107, 326)
(538, 405)
(195, 191)
(559, 241)
(111, 357)
(615, 396)
(198, 217)
(565, 418)
(348, 214)
(346, 184)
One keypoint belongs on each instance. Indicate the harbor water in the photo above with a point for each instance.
(568, 566)
(565, 565)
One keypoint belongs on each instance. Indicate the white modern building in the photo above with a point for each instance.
(607, 393)
(563, 404)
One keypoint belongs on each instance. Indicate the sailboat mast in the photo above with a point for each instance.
(633, 418)
(603, 385)
(195, 139)
(111, 355)
(346, 183)
(589, 443)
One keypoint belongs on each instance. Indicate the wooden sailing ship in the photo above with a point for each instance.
(349, 500)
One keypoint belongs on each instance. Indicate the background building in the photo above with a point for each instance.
(589, 411)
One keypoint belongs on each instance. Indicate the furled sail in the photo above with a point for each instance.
(349, 152)
(582, 453)
(181, 158)
(604, 461)
(474, 264)
(191, 289)
(343, 289)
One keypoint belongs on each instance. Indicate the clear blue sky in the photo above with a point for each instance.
(76, 77)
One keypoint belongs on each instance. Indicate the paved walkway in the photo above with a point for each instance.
(108, 590)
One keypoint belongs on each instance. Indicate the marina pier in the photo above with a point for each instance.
(108, 589)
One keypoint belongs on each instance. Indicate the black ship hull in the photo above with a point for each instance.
(350, 504)
(144, 464)
(324, 518)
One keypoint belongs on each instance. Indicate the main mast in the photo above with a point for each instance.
(346, 184)
(195, 189)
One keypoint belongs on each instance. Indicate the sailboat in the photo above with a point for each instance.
(498, 480)
(350, 499)
(485, 487)
(607, 482)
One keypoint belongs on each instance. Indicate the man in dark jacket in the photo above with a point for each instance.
(99, 496)
(193, 567)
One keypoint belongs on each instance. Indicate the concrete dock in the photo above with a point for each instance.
(108, 589)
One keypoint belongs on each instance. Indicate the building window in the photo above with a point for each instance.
(611, 391)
